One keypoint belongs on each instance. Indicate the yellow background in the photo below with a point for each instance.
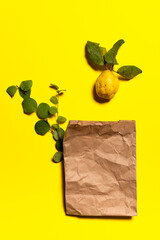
(44, 41)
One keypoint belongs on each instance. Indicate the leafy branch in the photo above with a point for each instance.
(44, 111)
(100, 56)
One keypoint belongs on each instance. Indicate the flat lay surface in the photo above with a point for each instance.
(45, 42)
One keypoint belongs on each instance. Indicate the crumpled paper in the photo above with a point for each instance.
(100, 168)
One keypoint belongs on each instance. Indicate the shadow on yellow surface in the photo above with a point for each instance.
(97, 98)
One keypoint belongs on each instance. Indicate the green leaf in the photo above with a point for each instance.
(42, 127)
(55, 135)
(129, 72)
(103, 50)
(61, 119)
(52, 110)
(58, 157)
(58, 134)
(60, 91)
(54, 100)
(54, 86)
(61, 133)
(24, 94)
(95, 53)
(59, 145)
(29, 105)
(110, 56)
(55, 126)
(26, 85)
(43, 110)
(11, 90)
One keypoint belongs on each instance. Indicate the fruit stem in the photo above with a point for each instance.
(109, 67)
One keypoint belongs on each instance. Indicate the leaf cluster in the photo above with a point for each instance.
(44, 111)
(100, 56)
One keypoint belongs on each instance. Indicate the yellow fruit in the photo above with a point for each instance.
(107, 85)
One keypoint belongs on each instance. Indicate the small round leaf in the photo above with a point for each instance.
(59, 145)
(61, 119)
(29, 105)
(24, 94)
(52, 110)
(55, 135)
(54, 100)
(58, 156)
(60, 133)
(54, 86)
(11, 90)
(43, 110)
(26, 85)
(60, 91)
(55, 126)
(42, 127)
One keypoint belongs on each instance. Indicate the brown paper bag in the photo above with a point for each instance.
(100, 168)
